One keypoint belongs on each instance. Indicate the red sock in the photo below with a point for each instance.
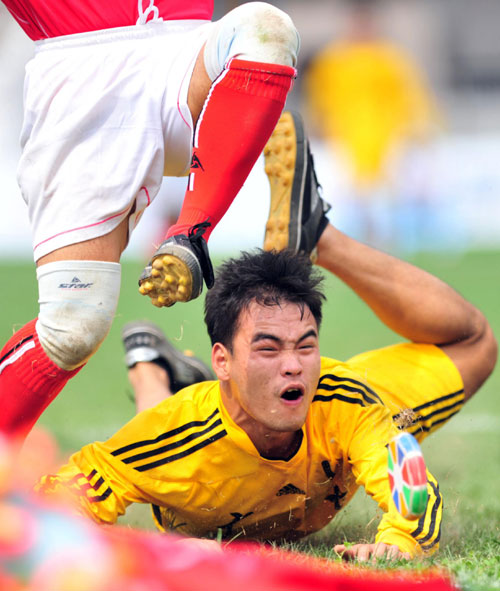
(239, 115)
(29, 381)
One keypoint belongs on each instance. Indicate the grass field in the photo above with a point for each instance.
(464, 455)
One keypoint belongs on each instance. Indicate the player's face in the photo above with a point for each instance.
(273, 369)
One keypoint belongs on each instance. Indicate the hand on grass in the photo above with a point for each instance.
(364, 552)
(200, 544)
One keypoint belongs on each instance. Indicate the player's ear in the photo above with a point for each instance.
(220, 361)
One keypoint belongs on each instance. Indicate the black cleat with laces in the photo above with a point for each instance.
(145, 341)
(178, 268)
(297, 215)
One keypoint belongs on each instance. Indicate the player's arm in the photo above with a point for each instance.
(370, 431)
(415, 304)
(91, 484)
(98, 481)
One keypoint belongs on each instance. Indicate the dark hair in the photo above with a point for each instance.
(267, 278)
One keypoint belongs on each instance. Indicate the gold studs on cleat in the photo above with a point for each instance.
(170, 281)
(280, 154)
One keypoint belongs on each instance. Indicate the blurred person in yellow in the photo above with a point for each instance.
(369, 101)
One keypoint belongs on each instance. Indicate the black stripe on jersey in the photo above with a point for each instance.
(364, 387)
(438, 411)
(77, 477)
(164, 448)
(323, 398)
(16, 346)
(432, 525)
(445, 409)
(424, 418)
(438, 400)
(83, 488)
(361, 388)
(96, 486)
(99, 498)
(432, 544)
(182, 454)
(157, 515)
(415, 429)
(163, 436)
(99, 483)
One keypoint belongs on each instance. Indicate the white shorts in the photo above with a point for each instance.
(106, 116)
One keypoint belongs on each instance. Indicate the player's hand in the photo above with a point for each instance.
(200, 544)
(364, 552)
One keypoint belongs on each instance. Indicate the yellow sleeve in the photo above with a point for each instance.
(364, 434)
(416, 537)
(90, 483)
(98, 483)
(422, 379)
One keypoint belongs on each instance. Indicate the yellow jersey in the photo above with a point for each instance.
(203, 476)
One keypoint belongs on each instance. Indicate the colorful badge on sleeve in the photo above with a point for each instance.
(407, 476)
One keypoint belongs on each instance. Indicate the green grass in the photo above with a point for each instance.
(464, 455)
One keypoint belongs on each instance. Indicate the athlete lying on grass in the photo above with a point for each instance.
(282, 439)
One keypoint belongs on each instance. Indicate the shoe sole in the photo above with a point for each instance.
(134, 328)
(166, 350)
(285, 156)
(407, 476)
(170, 281)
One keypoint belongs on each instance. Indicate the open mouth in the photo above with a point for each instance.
(292, 395)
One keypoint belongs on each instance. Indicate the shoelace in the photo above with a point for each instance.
(197, 231)
(195, 237)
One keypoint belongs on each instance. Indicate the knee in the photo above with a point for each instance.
(268, 25)
(255, 31)
(77, 307)
(71, 332)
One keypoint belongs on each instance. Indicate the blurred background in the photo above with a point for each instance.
(402, 102)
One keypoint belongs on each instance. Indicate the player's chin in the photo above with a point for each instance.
(293, 421)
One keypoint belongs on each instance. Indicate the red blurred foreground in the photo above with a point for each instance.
(45, 549)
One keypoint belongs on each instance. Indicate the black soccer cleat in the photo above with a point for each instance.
(297, 215)
(145, 341)
(177, 269)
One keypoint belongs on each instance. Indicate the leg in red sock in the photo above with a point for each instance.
(29, 381)
(240, 113)
(39, 359)
(237, 92)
